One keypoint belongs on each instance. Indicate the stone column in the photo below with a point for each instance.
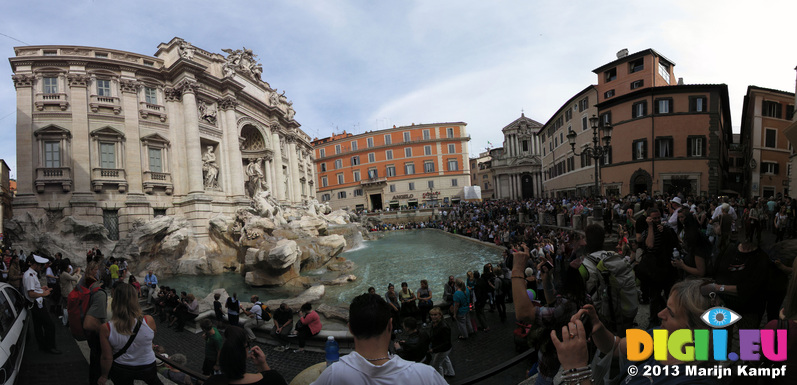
(279, 190)
(267, 166)
(193, 161)
(133, 168)
(293, 172)
(235, 173)
(26, 165)
(78, 97)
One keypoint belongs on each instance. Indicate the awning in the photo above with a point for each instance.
(412, 201)
(394, 203)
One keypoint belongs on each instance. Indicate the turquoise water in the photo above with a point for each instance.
(399, 256)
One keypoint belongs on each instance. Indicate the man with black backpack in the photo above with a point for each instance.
(656, 267)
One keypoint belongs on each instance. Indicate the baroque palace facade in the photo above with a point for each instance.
(113, 137)
(411, 166)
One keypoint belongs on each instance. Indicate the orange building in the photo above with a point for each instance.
(668, 137)
(765, 116)
(416, 165)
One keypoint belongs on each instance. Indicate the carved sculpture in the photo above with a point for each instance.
(186, 50)
(256, 180)
(207, 112)
(210, 168)
(242, 60)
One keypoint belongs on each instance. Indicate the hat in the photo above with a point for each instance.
(39, 259)
(676, 200)
(179, 359)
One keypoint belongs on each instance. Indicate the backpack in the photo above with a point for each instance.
(265, 312)
(612, 286)
(77, 305)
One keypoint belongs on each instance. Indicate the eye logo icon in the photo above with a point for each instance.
(720, 317)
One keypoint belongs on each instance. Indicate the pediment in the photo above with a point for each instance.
(52, 130)
(108, 131)
(155, 138)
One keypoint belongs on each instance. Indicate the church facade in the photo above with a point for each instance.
(113, 137)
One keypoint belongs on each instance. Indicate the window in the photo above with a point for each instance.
(639, 109)
(770, 138)
(637, 84)
(697, 104)
(411, 186)
(338, 164)
(430, 184)
(407, 152)
(322, 153)
(392, 188)
(555, 142)
(149, 63)
(337, 149)
(354, 146)
(50, 85)
(525, 145)
(388, 139)
(409, 168)
(771, 109)
(110, 219)
(610, 74)
(450, 132)
(696, 146)
(452, 148)
(391, 171)
(636, 65)
(52, 154)
(107, 155)
(606, 118)
(325, 197)
(355, 160)
(389, 154)
(664, 71)
(770, 168)
(426, 135)
(608, 94)
(373, 173)
(358, 192)
(150, 95)
(103, 87)
(340, 179)
(453, 165)
(369, 142)
(101, 55)
(739, 162)
(428, 166)
(583, 104)
(341, 195)
(663, 106)
(406, 136)
(427, 150)
(584, 124)
(371, 157)
(789, 113)
(158, 212)
(568, 115)
(324, 182)
(356, 175)
(639, 149)
(155, 159)
(664, 147)
(323, 167)
(454, 182)
(50, 53)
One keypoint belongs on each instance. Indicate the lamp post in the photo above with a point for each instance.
(597, 151)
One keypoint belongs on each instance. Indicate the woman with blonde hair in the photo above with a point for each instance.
(126, 341)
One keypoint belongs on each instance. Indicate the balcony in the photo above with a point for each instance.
(146, 109)
(109, 176)
(109, 102)
(59, 175)
(51, 100)
(373, 181)
(153, 180)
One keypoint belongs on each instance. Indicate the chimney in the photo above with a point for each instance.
(680, 81)
(622, 53)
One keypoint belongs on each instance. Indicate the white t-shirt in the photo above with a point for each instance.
(257, 311)
(30, 281)
(354, 369)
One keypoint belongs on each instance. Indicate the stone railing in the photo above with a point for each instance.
(113, 176)
(146, 109)
(53, 175)
(58, 99)
(154, 179)
(112, 102)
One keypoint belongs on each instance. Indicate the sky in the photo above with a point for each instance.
(359, 65)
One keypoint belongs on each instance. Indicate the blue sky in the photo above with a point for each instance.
(367, 65)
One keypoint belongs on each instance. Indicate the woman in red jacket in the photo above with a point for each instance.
(309, 324)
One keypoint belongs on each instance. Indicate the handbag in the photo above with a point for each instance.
(123, 350)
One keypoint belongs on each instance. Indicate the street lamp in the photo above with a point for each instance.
(600, 131)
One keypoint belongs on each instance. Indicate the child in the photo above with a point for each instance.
(213, 342)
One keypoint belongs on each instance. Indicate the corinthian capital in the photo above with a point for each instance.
(23, 80)
(228, 102)
(130, 86)
(78, 80)
(187, 86)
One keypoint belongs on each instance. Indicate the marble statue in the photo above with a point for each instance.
(210, 168)
(207, 112)
(186, 50)
(256, 179)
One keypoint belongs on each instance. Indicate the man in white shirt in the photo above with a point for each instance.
(255, 314)
(370, 362)
(43, 325)
(675, 206)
